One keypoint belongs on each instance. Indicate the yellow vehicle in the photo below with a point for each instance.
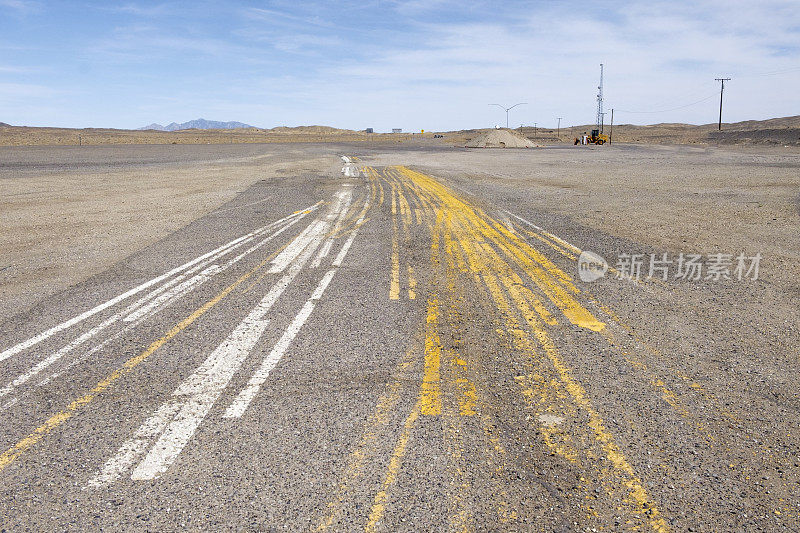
(597, 138)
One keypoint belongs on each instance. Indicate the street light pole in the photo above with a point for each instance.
(558, 135)
(507, 109)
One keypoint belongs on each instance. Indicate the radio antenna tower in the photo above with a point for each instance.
(600, 101)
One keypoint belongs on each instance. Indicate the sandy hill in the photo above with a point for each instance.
(313, 130)
(500, 139)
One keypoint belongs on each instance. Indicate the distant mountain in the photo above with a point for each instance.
(199, 124)
(4, 125)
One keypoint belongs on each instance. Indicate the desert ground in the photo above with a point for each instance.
(393, 334)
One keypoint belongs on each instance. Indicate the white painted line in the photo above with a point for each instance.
(134, 447)
(326, 246)
(175, 292)
(323, 284)
(240, 404)
(547, 233)
(241, 206)
(289, 254)
(196, 395)
(24, 345)
(201, 391)
(150, 310)
(246, 396)
(323, 252)
(349, 242)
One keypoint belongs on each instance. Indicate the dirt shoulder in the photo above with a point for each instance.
(67, 216)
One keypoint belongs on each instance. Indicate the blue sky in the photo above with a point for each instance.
(414, 64)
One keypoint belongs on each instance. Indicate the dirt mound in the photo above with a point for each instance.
(500, 139)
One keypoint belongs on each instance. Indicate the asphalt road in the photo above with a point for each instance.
(383, 349)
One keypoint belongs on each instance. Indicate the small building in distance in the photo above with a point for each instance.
(397, 130)
(369, 130)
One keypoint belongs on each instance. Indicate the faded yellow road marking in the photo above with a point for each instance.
(412, 283)
(430, 395)
(394, 282)
(540, 269)
(478, 237)
(378, 508)
(356, 462)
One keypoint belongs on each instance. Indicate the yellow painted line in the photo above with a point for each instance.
(104, 384)
(412, 283)
(460, 516)
(394, 282)
(405, 209)
(514, 285)
(373, 428)
(380, 189)
(351, 221)
(556, 293)
(476, 229)
(534, 254)
(520, 251)
(430, 394)
(343, 232)
(373, 190)
(394, 203)
(378, 508)
(466, 393)
(612, 452)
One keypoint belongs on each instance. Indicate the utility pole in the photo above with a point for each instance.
(721, 90)
(611, 133)
(507, 109)
(558, 135)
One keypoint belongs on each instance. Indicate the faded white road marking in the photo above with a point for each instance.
(173, 293)
(545, 232)
(133, 448)
(195, 397)
(24, 345)
(246, 396)
(242, 401)
(289, 254)
(326, 246)
(148, 310)
(349, 242)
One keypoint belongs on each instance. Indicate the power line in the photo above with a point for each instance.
(671, 109)
(773, 73)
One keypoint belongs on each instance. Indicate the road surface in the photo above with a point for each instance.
(383, 349)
